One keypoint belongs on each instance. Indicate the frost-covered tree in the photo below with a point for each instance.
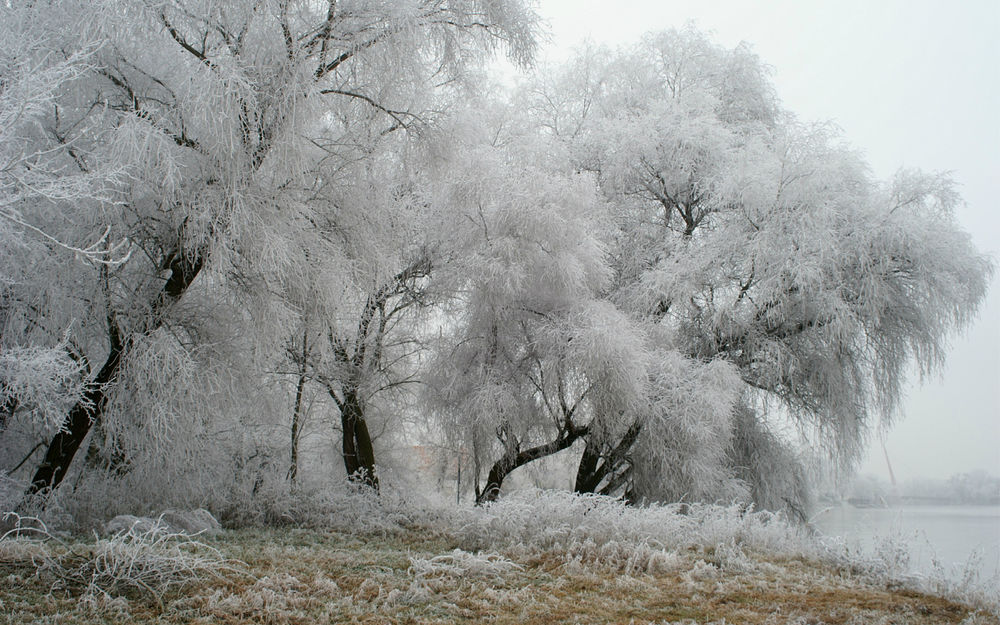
(532, 352)
(526, 341)
(216, 215)
(361, 268)
(216, 114)
(754, 240)
(51, 227)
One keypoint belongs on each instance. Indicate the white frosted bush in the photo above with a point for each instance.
(345, 506)
(128, 522)
(462, 564)
(889, 562)
(147, 558)
(602, 530)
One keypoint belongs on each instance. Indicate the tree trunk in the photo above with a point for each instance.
(359, 454)
(66, 442)
(293, 465)
(85, 413)
(590, 472)
(596, 465)
(512, 459)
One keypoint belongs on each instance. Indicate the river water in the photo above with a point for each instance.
(957, 537)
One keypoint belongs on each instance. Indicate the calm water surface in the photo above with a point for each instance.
(951, 534)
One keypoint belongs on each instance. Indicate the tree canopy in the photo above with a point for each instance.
(753, 239)
(251, 247)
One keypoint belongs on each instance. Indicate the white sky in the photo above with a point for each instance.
(912, 83)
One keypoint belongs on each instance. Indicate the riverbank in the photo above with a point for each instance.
(515, 563)
(950, 541)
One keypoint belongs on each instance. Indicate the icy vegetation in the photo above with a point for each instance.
(145, 558)
(251, 252)
(536, 553)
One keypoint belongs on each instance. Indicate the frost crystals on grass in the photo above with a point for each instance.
(142, 558)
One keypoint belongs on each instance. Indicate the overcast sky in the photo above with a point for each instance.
(912, 83)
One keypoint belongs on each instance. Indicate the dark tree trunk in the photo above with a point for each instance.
(359, 455)
(590, 472)
(293, 465)
(84, 414)
(66, 442)
(512, 459)
(598, 465)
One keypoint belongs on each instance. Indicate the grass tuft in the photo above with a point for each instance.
(140, 560)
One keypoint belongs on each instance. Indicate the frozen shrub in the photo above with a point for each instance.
(731, 557)
(602, 530)
(188, 522)
(462, 564)
(144, 558)
(127, 522)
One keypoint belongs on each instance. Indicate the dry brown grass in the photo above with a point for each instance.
(416, 576)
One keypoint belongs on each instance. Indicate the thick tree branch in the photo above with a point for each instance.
(182, 42)
(514, 458)
(395, 115)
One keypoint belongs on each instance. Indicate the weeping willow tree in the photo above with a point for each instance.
(526, 350)
(532, 354)
(207, 124)
(750, 239)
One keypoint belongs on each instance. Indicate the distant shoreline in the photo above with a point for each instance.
(908, 500)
